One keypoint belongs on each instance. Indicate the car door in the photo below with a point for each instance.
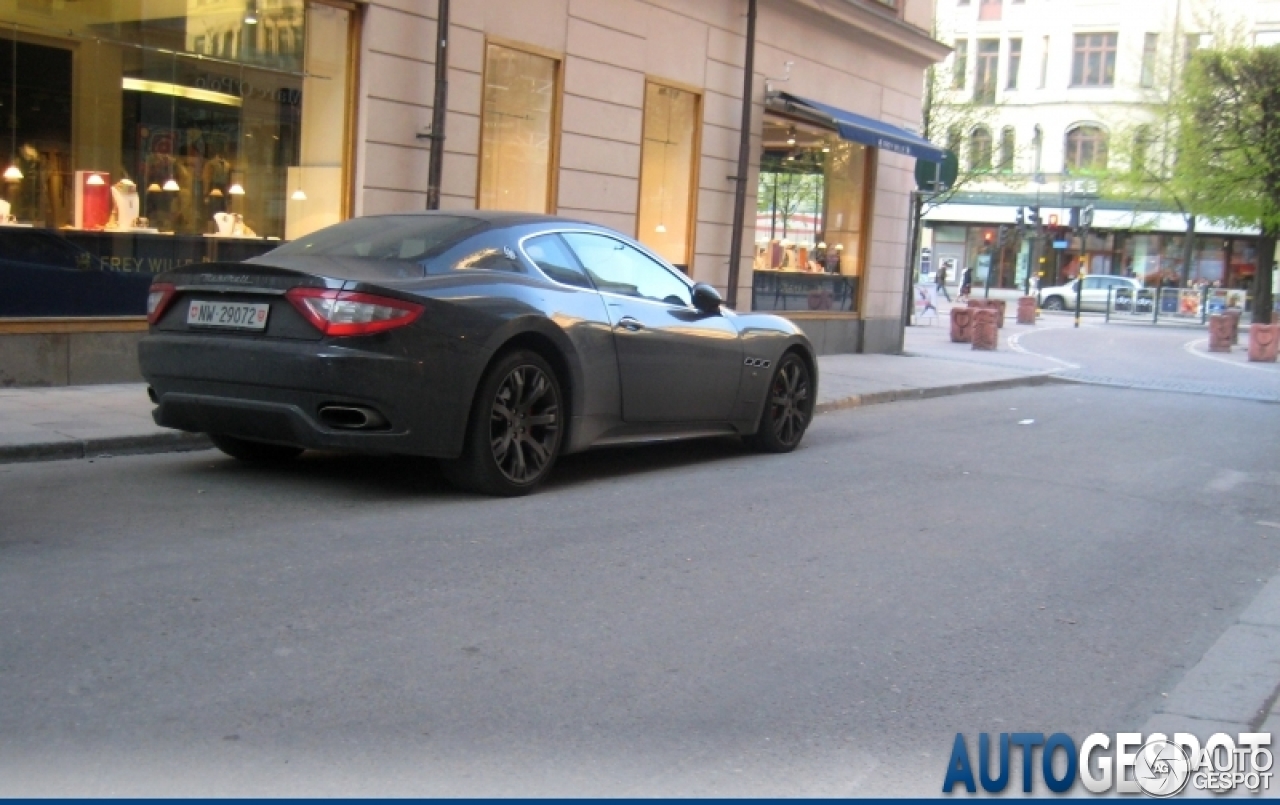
(676, 363)
(1095, 294)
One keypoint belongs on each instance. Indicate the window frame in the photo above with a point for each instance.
(1014, 62)
(1068, 153)
(975, 163)
(557, 110)
(986, 71)
(960, 64)
(1147, 70)
(1008, 149)
(691, 218)
(1083, 47)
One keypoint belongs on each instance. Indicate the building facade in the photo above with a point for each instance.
(1055, 96)
(156, 133)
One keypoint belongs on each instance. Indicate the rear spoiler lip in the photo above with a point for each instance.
(243, 277)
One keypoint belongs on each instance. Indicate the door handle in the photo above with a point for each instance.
(629, 323)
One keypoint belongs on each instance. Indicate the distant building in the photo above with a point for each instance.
(1072, 87)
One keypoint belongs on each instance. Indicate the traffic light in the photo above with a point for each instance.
(1020, 217)
(1086, 216)
(1075, 217)
(1033, 216)
(987, 237)
(1053, 219)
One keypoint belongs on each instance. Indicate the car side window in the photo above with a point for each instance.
(492, 258)
(1093, 283)
(616, 267)
(549, 253)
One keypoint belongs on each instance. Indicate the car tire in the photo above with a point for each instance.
(1053, 303)
(788, 409)
(259, 452)
(516, 429)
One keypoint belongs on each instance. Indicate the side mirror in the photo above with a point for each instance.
(706, 298)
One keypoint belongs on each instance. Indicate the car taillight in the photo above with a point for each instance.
(350, 313)
(158, 299)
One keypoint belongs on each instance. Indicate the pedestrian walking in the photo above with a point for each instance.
(966, 285)
(941, 286)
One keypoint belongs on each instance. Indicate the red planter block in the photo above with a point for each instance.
(961, 324)
(1219, 333)
(996, 305)
(1263, 342)
(1027, 310)
(1234, 317)
(985, 333)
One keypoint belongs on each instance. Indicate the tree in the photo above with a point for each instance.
(1146, 173)
(948, 113)
(1229, 146)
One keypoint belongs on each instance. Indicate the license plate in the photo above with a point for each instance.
(235, 315)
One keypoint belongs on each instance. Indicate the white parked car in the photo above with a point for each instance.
(1096, 290)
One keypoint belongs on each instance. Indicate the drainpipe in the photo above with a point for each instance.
(744, 156)
(436, 164)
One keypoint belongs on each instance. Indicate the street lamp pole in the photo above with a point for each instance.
(435, 165)
(744, 156)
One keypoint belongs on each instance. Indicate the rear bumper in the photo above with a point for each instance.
(273, 391)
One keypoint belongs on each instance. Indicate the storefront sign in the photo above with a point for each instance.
(69, 273)
(1080, 187)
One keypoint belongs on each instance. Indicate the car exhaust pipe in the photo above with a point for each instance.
(351, 417)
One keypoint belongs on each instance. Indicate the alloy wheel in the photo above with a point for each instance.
(790, 404)
(524, 424)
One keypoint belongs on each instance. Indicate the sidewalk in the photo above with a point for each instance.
(87, 421)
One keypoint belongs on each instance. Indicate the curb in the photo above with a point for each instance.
(897, 395)
(177, 441)
(1222, 692)
(171, 442)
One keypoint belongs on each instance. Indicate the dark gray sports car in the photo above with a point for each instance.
(492, 341)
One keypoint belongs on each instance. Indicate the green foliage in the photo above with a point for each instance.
(1228, 141)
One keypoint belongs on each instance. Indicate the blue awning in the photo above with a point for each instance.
(867, 131)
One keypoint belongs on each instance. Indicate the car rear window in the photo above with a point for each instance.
(404, 238)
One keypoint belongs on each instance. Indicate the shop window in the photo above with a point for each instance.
(518, 136)
(811, 202)
(1094, 60)
(1086, 149)
(668, 161)
(134, 146)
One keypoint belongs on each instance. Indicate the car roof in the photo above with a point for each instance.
(492, 217)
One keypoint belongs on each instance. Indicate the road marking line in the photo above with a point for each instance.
(1190, 349)
(1015, 345)
(1269, 524)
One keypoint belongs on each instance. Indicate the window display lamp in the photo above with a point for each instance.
(171, 184)
(13, 173)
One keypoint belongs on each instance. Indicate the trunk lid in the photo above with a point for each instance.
(232, 287)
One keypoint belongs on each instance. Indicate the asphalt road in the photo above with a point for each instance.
(682, 620)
